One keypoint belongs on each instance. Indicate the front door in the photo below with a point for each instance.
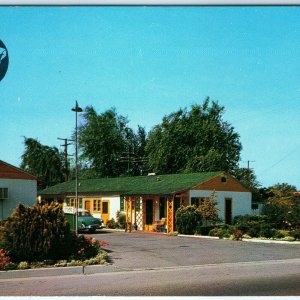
(87, 205)
(149, 214)
(228, 211)
(105, 211)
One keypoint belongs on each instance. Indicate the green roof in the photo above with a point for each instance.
(137, 185)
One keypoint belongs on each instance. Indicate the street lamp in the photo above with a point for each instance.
(77, 109)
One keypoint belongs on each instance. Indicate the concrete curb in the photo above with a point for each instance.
(244, 240)
(55, 271)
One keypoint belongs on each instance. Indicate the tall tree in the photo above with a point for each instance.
(107, 144)
(194, 141)
(43, 161)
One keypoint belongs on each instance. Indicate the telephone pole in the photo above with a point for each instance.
(248, 163)
(65, 145)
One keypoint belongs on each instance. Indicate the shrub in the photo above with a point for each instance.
(277, 234)
(4, 259)
(237, 235)
(266, 231)
(37, 233)
(86, 247)
(23, 265)
(121, 219)
(111, 223)
(230, 229)
(204, 230)
(187, 219)
(251, 224)
(215, 232)
(295, 234)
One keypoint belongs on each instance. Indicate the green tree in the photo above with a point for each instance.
(198, 140)
(107, 144)
(45, 162)
(282, 207)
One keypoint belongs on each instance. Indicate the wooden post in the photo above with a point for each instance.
(170, 217)
(135, 201)
(128, 212)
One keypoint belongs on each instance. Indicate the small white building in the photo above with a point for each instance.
(16, 186)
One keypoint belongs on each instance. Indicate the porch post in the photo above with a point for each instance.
(170, 217)
(128, 212)
(135, 201)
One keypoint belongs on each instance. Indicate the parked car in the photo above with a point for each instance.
(86, 222)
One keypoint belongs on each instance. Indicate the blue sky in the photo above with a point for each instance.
(148, 62)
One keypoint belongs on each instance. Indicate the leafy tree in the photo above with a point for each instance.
(198, 140)
(209, 210)
(107, 143)
(282, 206)
(45, 162)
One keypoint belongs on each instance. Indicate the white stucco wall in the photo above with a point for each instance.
(241, 201)
(114, 202)
(19, 191)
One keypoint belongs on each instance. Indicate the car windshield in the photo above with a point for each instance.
(84, 214)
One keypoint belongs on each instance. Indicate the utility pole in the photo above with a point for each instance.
(248, 163)
(132, 158)
(65, 145)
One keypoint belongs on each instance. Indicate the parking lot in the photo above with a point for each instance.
(147, 250)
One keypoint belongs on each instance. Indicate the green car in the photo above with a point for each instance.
(85, 221)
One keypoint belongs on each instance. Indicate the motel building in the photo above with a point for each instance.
(154, 199)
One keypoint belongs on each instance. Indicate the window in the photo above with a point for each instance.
(223, 179)
(197, 201)
(72, 202)
(3, 193)
(80, 202)
(97, 205)
(122, 206)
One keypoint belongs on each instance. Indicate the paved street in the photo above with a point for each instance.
(145, 264)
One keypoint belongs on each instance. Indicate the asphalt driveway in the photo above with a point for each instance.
(146, 250)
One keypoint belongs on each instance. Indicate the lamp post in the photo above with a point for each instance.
(76, 109)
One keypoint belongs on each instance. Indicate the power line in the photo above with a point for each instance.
(65, 145)
(283, 158)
